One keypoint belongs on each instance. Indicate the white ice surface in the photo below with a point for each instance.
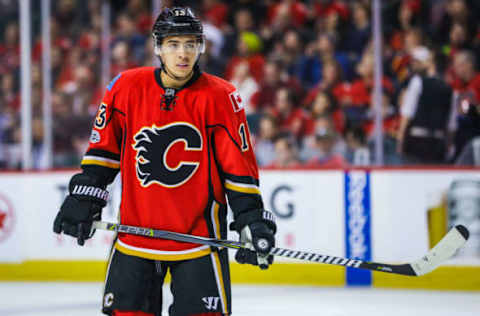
(83, 299)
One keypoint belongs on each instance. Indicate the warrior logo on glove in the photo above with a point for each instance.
(153, 144)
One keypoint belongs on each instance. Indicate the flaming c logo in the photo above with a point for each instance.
(153, 145)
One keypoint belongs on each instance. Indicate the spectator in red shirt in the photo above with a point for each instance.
(467, 78)
(10, 49)
(249, 46)
(292, 10)
(275, 78)
(291, 118)
(138, 10)
(215, 12)
(355, 99)
(467, 89)
(331, 78)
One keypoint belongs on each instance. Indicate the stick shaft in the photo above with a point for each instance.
(403, 269)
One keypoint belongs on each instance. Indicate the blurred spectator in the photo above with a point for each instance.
(138, 10)
(275, 78)
(291, 117)
(426, 113)
(323, 8)
(286, 12)
(210, 63)
(127, 33)
(390, 118)
(264, 142)
(402, 48)
(84, 92)
(328, 147)
(10, 49)
(470, 154)
(317, 53)
(243, 22)
(456, 12)
(355, 98)
(331, 79)
(9, 95)
(215, 12)
(288, 50)
(249, 46)
(357, 152)
(66, 17)
(245, 84)
(459, 39)
(360, 32)
(286, 153)
(467, 88)
(121, 58)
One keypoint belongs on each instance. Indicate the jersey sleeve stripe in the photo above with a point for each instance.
(103, 154)
(241, 179)
(100, 162)
(241, 187)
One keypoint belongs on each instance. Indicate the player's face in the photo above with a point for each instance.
(179, 54)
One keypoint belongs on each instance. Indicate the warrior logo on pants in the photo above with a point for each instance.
(211, 302)
(160, 160)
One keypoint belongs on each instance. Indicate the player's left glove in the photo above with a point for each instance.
(257, 230)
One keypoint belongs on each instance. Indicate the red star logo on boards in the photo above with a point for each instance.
(2, 219)
(239, 99)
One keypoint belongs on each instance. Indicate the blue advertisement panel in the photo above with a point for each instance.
(357, 225)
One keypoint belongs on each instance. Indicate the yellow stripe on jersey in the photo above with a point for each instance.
(242, 189)
(174, 256)
(221, 284)
(91, 161)
(216, 221)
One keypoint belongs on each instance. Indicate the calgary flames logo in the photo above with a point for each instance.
(153, 145)
(7, 218)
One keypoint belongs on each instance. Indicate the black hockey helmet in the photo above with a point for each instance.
(177, 21)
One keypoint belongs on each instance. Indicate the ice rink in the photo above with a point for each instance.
(83, 299)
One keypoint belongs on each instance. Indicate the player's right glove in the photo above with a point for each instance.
(257, 230)
(81, 207)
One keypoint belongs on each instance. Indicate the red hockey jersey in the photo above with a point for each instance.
(180, 153)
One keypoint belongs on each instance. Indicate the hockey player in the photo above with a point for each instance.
(180, 140)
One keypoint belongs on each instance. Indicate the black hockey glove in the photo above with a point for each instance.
(257, 229)
(80, 208)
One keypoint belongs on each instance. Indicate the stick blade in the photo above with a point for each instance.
(444, 250)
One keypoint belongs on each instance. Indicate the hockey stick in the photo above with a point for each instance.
(442, 251)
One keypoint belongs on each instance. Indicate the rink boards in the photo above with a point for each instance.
(387, 215)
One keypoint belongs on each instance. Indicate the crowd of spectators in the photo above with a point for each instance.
(304, 69)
